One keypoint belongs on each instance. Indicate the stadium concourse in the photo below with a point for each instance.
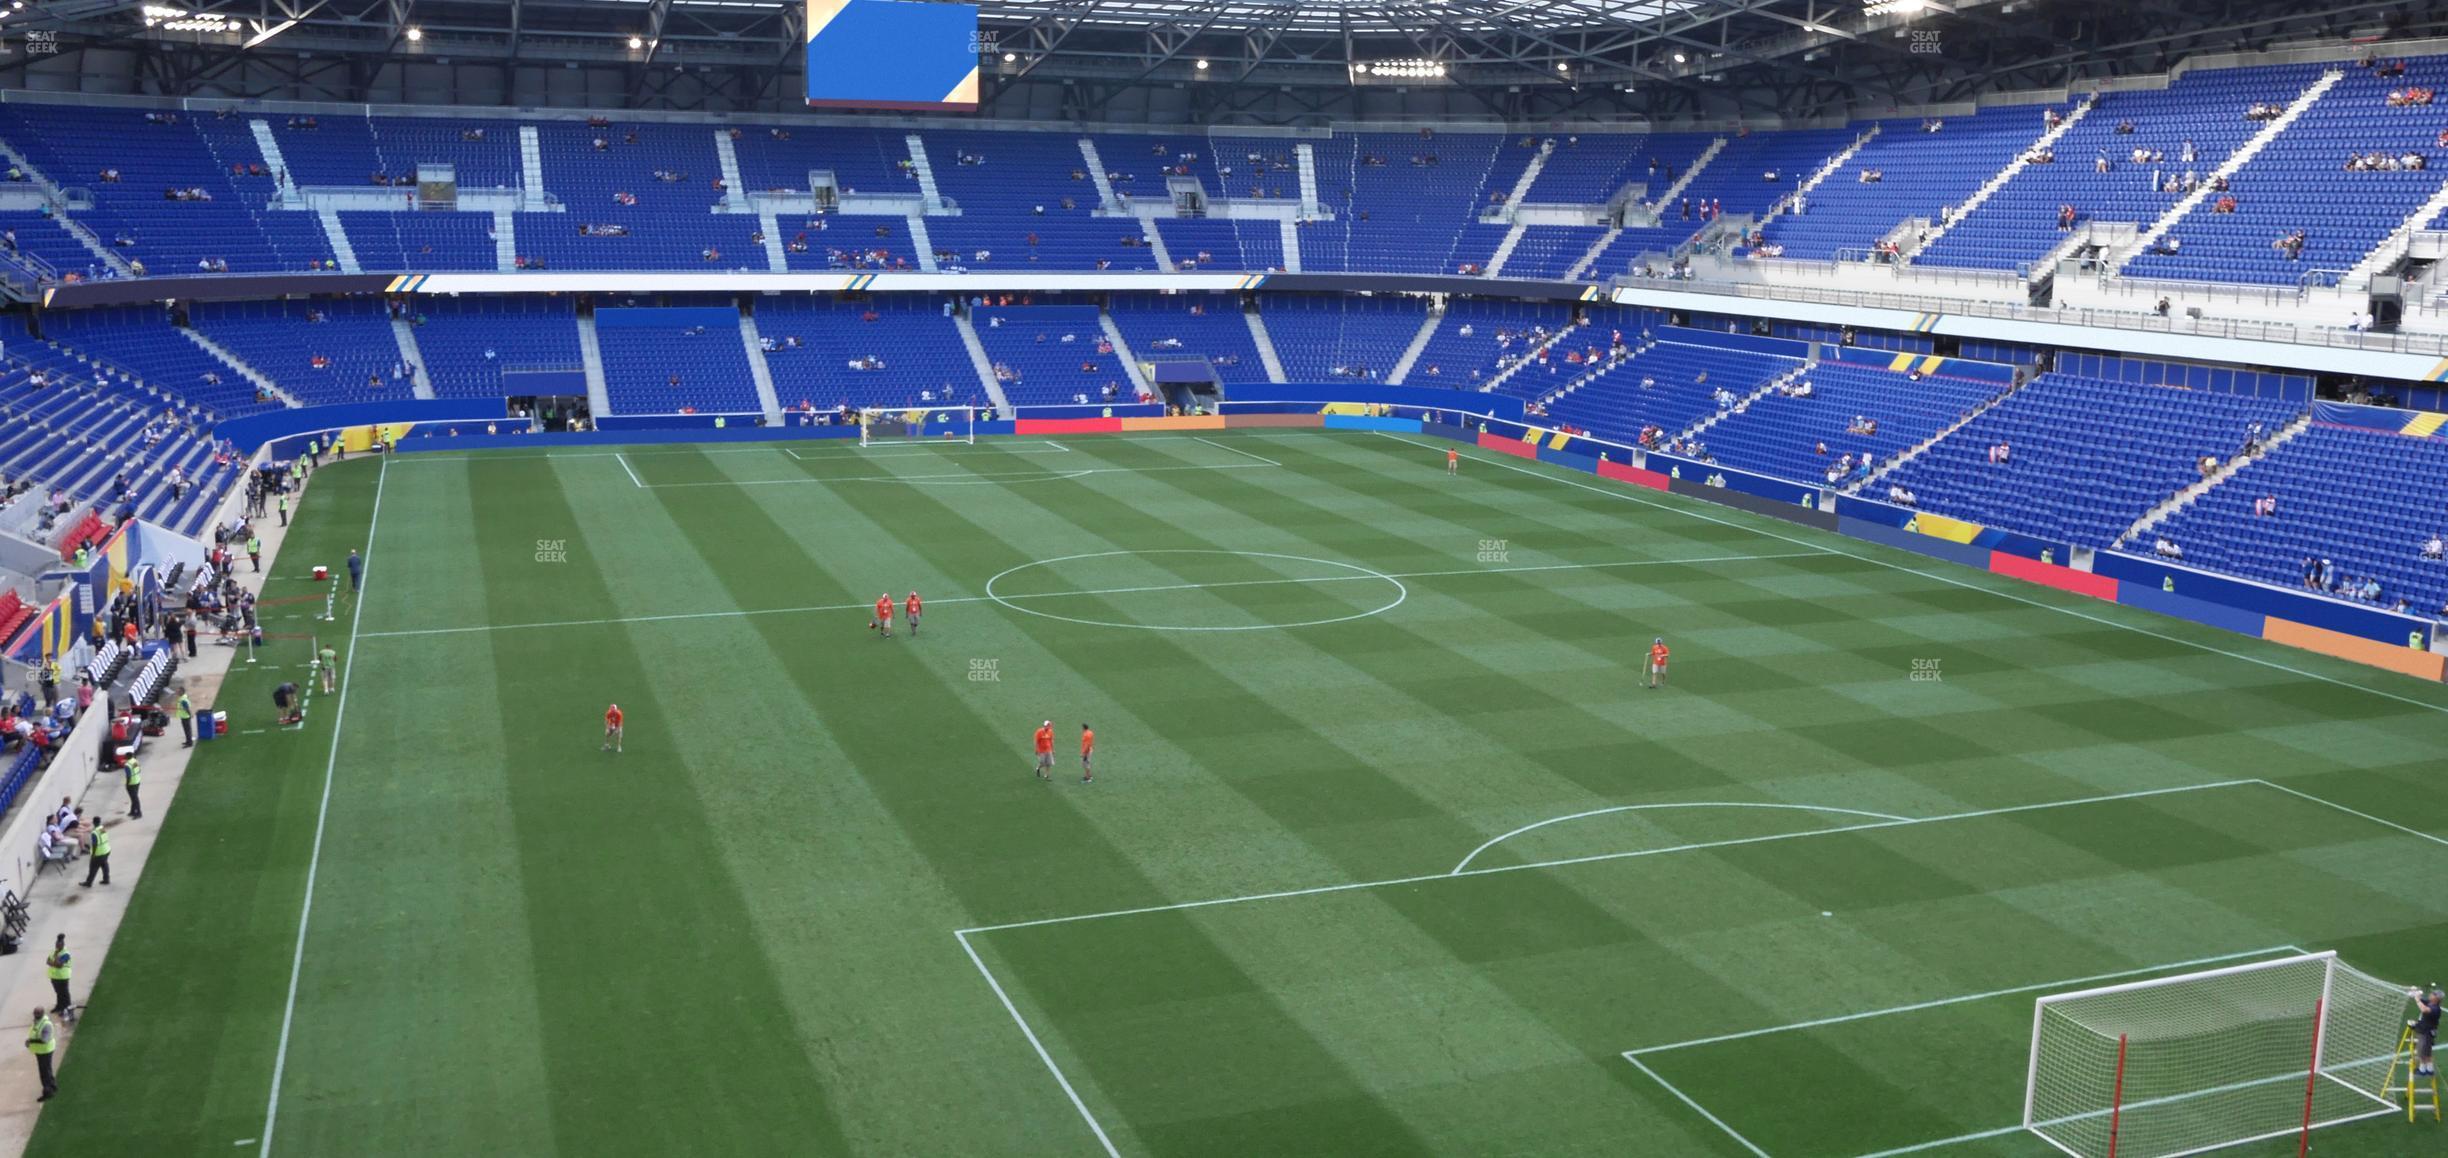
(2041, 496)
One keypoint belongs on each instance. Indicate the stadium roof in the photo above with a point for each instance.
(1214, 61)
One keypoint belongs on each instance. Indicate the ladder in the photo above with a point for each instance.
(2418, 1085)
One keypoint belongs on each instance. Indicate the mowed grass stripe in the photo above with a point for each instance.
(1471, 939)
(443, 940)
(1019, 822)
(828, 876)
(201, 967)
(1014, 822)
(666, 999)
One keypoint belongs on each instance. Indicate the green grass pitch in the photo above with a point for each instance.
(1804, 895)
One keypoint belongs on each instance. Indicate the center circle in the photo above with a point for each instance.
(1339, 574)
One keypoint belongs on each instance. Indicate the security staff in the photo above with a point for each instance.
(99, 850)
(186, 718)
(57, 963)
(41, 1038)
(135, 776)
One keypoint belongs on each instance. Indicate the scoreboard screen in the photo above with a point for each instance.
(892, 54)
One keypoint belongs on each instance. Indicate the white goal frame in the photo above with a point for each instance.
(2320, 1010)
(910, 425)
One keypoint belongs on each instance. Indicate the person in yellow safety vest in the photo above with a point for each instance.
(58, 964)
(41, 1038)
(99, 849)
(186, 719)
(135, 777)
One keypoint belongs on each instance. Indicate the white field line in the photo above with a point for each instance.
(1608, 856)
(766, 448)
(1236, 450)
(2351, 812)
(1474, 853)
(633, 475)
(959, 476)
(1940, 1003)
(1697, 1108)
(1039, 1046)
(1634, 1056)
(952, 599)
(932, 448)
(314, 860)
(1629, 496)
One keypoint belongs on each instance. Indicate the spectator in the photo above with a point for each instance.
(2434, 548)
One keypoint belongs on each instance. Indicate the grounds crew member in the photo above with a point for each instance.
(58, 963)
(135, 777)
(186, 718)
(41, 1038)
(99, 857)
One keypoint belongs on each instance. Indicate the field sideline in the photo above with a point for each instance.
(1388, 850)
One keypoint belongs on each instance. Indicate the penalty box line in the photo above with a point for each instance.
(1634, 1056)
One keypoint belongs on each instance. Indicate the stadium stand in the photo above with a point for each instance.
(468, 343)
(319, 352)
(1919, 173)
(1050, 355)
(1026, 199)
(1474, 339)
(1803, 437)
(915, 348)
(680, 360)
(1669, 384)
(1321, 339)
(142, 342)
(2300, 182)
(2018, 223)
(1550, 251)
(422, 242)
(1207, 328)
(2086, 457)
(2367, 500)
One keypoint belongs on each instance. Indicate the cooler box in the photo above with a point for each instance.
(322, 573)
(209, 724)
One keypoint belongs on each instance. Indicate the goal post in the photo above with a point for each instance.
(2179, 1065)
(902, 425)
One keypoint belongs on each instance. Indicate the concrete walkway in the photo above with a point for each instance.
(90, 917)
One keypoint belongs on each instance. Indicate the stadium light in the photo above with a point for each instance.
(1679, 59)
(415, 34)
(1563, 67)
(1010, 57)
(1201, 66)
(1895, 7)
(1414, 69)
(637, 42)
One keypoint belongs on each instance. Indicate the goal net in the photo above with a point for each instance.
(2184, 1064)
(888, 425)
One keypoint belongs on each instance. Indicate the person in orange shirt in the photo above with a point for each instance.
(612, 728)
(913, 607)
(883, 615)
(1453, 461)
(1045, 750)
(1657, 661)
(1087, 752)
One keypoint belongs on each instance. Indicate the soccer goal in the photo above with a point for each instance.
(2180, 1065)
(901, 425)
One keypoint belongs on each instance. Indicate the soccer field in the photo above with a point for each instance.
(1389, 849)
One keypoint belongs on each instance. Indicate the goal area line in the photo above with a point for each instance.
(967, 939)
(2327, 1073)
